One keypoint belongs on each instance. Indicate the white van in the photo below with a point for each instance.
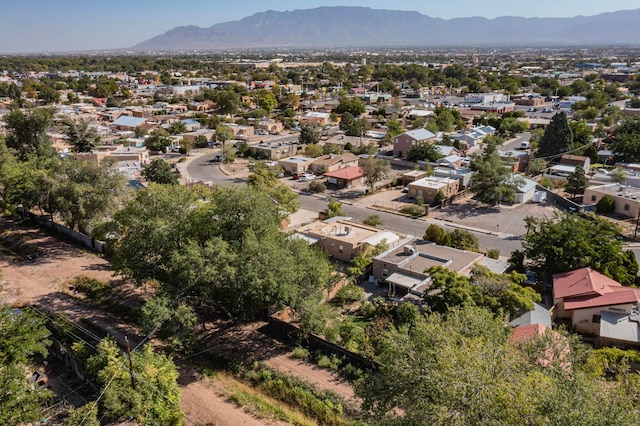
(525, 145)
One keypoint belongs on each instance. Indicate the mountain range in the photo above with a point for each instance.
(365, 27)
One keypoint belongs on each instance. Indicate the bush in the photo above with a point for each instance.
(90, 287)
(546, 182)
(413, 210)
(493, 254)
(300, 353)
(349, 293)
(316, 187)
(606, 204)
(373, 220)
(324, 362)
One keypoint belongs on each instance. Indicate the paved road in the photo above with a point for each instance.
(201, 169)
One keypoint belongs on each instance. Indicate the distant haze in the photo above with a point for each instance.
(365, 27)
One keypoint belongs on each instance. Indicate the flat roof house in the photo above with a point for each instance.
(429, 186)
(626, 198)
(344, 240)
(295, 165)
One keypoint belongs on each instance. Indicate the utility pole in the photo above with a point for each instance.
(131, 372)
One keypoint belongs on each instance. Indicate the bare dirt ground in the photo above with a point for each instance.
(42, 281)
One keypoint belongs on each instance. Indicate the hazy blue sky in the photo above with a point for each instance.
(62, 25)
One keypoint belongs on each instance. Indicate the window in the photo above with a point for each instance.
(596, 319)
(385, 273)
(626, 207)
(340, 248)
(593, 198)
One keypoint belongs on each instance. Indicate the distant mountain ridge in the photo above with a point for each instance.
(343, 26)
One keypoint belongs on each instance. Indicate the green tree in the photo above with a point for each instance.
(223, 133)
(463, 240)
(353, 126)
(26, 132)
(22, 335)
(424, 151)
(266, 181)
(159, 171)
(606, 204)
(155, 399)
(228, 101)
(557, 138)
(334, 208)
(567, 241)
(577, 182)
(308, 135)
(438, 235)
(353, 106)
(582, 135)
(492, 180)
(48, 95)
(80, 135)
(176, 128)
(87, 415)
(374, 170)
(450, 370)
(86, 193)
(373, 220)
(158, 140)
(313, 150)
(266, 100)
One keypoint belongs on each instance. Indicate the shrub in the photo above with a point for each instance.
(300, 353)
(182, 160)
(547, 183)
(493, 254)
(316, 187)
(349, 293)
(413, 210)
(90, 287)
(324, 362)
(606, 204)
(373, 220)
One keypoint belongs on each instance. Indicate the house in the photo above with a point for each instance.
(348, 177)
(576, 160)
(317, 118)
(452, 161)
(271, 126)
(275, 150)
(473, 136)
(413, 176)
(446, 150)
(340, 140)
(626, 198)
(402, 268)
(403, 143)
(333, 162)
(343, 240)
(525, 190)
(118, 153)
(428, 187)
(464, 175)
(295, 165)
(128, 123)
(583, 295)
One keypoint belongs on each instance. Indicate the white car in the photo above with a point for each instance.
(307, 177)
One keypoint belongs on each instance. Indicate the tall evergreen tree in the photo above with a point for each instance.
(557, 138)
(492, 181)
(576, 182)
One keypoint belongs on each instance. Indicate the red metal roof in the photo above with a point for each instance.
(348, 173)
(582, 282)
(630, 295)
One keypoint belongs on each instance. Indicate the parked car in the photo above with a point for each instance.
(307, 177)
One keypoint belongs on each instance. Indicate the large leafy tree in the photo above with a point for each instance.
(492, 180)
(568, 241)
(155, 399)
(86, 192)
(353, 106)
(80, 135)
(158, 140)
(26, 131)
(374, 170)
(220, 250)
(626, 141)
(265, 180)
(557, 138)
(424, 151)
(159, 171)
(22, 335)
(459, 369)
(308, 135)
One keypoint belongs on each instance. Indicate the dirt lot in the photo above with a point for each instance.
(42, 279)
